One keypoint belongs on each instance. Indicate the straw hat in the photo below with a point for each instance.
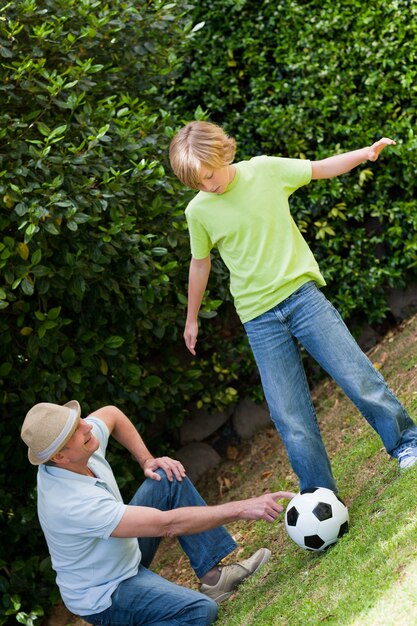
(48, 427)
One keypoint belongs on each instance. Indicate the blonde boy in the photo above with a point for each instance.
(243, 209)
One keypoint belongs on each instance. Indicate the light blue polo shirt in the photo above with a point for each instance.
(78, 514)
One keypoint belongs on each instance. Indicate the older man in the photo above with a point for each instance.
(101, 548)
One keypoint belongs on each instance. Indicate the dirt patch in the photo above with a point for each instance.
(60, 616)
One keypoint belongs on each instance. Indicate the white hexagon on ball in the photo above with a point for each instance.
(316, 518)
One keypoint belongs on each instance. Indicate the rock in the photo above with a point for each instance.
(197, 459)
(202, 424)
(402, 302)
(368, 337)
(250, 417)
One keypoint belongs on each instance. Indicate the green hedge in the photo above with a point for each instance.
(309, 79)
(93, 245)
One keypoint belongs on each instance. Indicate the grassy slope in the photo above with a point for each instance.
(370, 576)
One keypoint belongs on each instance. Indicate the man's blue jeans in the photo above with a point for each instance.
(149, 599)
(308, 318)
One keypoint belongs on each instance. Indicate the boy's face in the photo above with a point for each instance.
(216, 180)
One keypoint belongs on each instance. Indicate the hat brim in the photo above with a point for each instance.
(75, 406)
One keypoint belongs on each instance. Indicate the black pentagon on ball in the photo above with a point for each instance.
(314, 542)
(343, 529)
(292, 516)
(323, 511)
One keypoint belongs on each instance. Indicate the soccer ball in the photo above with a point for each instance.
(316, 518)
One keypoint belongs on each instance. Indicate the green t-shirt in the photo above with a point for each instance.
(257, 238)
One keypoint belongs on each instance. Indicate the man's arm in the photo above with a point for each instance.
(197, 283)
(140, 521)
(342, 163)
(122, 429)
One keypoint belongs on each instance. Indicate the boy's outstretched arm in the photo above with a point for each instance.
(342, 163)
(197, 283)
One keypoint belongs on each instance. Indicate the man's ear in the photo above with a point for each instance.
(60, 459)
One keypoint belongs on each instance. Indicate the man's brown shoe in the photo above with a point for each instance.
(232, 575)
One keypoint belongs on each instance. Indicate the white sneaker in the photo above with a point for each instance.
(407, 458)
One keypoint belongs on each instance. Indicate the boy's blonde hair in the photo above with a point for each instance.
(200, 144)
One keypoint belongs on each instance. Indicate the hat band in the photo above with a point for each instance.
(60, 440)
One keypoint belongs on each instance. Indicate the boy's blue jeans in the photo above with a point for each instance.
(309, 318)
(149, 599)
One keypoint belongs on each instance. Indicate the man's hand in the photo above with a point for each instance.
(378, 146)
(170, 466)
(266, 507)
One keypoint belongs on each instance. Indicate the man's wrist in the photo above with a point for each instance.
(143, 463)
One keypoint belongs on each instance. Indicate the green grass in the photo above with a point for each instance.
(350, 581)
(369, 578)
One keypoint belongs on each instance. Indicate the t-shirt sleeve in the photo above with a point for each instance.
(293, 173)
(200, 241)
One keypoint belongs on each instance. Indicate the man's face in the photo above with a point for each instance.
(215, 180)
(82, 443)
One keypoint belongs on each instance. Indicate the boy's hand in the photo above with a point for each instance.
(378, 146)
(190, 336)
